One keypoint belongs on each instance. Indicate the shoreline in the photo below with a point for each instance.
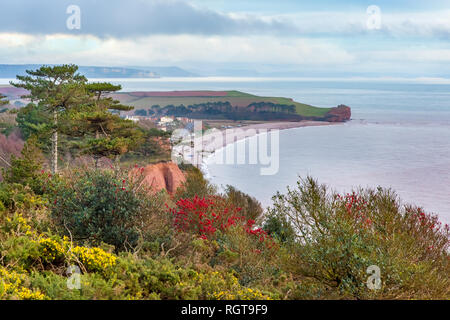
(239, 134)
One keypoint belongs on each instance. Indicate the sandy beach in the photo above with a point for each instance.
(248, 131)
(196, 150)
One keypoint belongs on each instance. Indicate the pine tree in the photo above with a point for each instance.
(58, 89)
(105, 133)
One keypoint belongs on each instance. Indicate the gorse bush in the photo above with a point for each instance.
(12, 286)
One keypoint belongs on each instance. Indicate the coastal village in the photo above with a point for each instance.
(164, 123)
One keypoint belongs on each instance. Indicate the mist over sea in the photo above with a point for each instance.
(399, 137)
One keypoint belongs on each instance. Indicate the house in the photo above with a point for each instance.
(132, 118)
(165, 120)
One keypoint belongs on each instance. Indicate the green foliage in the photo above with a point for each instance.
(250, 207)
(17, 196)
(339, 237)
(26, 169)
(336, 238)
(141, 112)
(67, 104)
(279, 227)
(154, 145)
(57, 88)
(195, 184)
(3, 100)
(98, 206)
(104, 134)
(34, 120)
(100, 89)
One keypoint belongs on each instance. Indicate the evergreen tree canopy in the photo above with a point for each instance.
(57, 89)
(64, 102)
(106, 134)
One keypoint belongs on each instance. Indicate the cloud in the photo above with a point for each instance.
(118, 18)
(134, 18)
(151, 32)
(171, 50)
(432, 24)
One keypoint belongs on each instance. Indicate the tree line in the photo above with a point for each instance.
(225, 110)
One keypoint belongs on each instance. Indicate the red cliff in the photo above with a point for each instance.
(163, 176)
(341, 113)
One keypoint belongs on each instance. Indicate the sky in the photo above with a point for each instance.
(378, 38)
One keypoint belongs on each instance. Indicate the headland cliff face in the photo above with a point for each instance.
(341, 113)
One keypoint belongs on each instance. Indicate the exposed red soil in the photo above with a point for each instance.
(162, 176)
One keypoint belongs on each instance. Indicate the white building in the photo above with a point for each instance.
(165, 120)
(132, 118)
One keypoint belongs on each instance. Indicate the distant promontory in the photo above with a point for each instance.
(228, 105)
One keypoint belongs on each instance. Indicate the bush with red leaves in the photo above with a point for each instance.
(205, 216)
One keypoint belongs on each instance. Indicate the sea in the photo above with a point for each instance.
(398, 137)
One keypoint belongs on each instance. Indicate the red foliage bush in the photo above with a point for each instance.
(204, 216)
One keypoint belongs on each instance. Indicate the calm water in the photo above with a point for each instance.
(399, 137)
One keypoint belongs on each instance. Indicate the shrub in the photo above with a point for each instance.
(243, 294)
(250, 252)
(98, 206)
(12, 286)
(195, 185)
(204, 216)
(25, 169)
(339, 237)
(16, 196)
(250, 207)
(56, 251)
(95, 259)
(278, 227)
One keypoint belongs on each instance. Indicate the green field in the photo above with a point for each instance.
(235, 98)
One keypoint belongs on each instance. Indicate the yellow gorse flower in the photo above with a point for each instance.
(11, 287)
(240, 294)
(93, 259)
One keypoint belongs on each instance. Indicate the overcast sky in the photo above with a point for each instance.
(411, 38)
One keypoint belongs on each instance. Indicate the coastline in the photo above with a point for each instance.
(245, 132)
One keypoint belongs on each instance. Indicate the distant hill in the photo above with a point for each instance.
(11, 70)
(169, 71)
(231, 105)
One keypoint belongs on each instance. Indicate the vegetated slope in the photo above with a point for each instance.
(239, 101)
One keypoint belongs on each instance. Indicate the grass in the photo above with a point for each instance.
(236, 98)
